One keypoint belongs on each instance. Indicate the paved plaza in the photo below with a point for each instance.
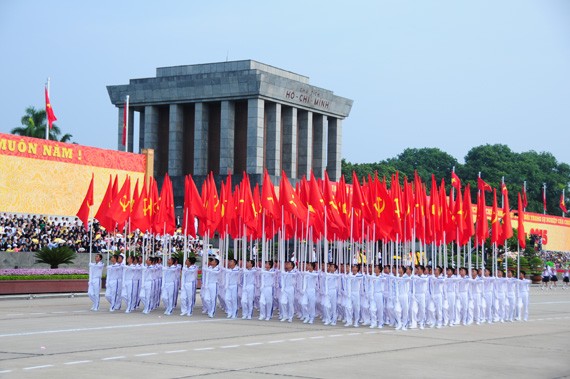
(57, 337)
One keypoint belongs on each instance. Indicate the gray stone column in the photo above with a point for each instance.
(151, 130)
(227, 133)
(334, 148)
(255, 133)
(130, 132)
(319, 145)
(141, 131)
(289, 156)
(305, 148)
(175, 139)
(201, 139)
(120, 146)
(273, 139)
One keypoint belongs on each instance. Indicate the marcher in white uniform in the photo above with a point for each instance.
(248, 280)
(188, 285)
(475, 298)
(95, 275)
(523, 289)
(231, 280)
(147, 284)
(128, 287)
(438, 284)
(331, 295)
(450, 309)
(309, 293)
(113, 284)
(210, 289)
(500, 296)
(512, 288)
(169, 293)
(488, 296)
(267, 284)
(377, 286)
(420, 283)
(401, 307)
(288, 282)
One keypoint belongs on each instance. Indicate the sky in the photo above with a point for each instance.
(446, 74)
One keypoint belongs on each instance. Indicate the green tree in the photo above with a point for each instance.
(34, 125)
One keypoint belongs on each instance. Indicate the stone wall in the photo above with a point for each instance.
(27, 260)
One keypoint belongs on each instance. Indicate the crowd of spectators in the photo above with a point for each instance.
(22, 232)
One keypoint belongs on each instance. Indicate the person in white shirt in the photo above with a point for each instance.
(267, 279)
(128, 287)
(309, 293)
(545, 277)
(210, 286)
(512, 287)
(169, 293)
(401, 307)
(566, 278)
(523, 288)
(437, 285)
(113, 284)
(488, 296)
(420, 287)
(355, 279)
(188, 285)
(553, 278)
(450, 314)
(287, 299)
(463, 295)
(95, 275)
(248, 280)
(331, 295)
(500, 296)
(231, 280)
(377, 287)
(475, 297)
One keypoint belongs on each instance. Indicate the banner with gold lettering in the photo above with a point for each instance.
(47, 177)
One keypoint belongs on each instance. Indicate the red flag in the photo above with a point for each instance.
(524, 198)
(435, 212)
(455, 181)
(495, 225)
(83, 212)
(459, 217)
(507, 225)
(120, 208)
(165, 221)
(49, 110)
(469, 230)
(483, 186)
(269, 200)
(358, 200)
(544, 198)
(482, 224)
(290, 200)
(563, 203)
(139, 214)
(316, 205)
(335, 223)
(521, 233)
(383, 208)
(103, 210)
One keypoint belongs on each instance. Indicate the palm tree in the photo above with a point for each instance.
(34, 125)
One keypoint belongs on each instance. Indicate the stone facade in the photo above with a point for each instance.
(234, 117)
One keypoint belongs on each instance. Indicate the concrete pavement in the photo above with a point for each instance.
(59, 337)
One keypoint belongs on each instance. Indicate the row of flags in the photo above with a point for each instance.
(371, 209)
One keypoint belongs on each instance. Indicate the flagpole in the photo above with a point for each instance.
(90, 239)
(544, 198)
(47, 120)
(524, 186)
